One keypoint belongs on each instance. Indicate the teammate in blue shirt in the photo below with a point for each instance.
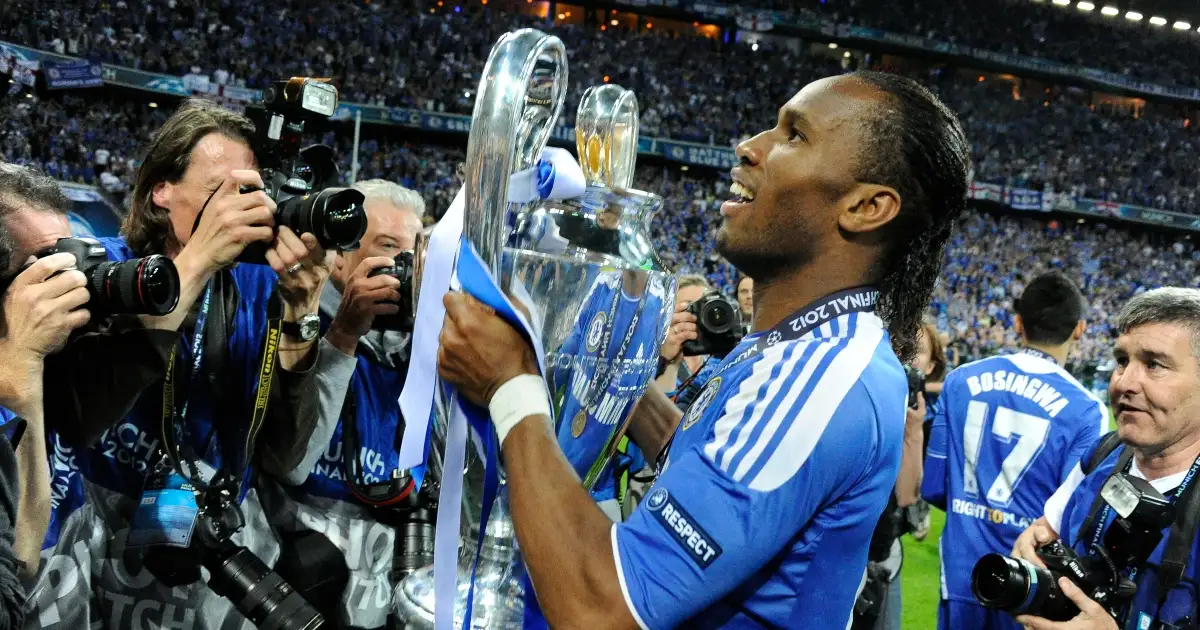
(1006, 433)
(777, 474)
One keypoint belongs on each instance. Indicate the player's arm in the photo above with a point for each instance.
(933, 485)
(756, 500)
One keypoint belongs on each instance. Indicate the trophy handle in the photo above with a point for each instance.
(606, 135)
(519, 100)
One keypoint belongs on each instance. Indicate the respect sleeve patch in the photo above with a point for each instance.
(682, 528)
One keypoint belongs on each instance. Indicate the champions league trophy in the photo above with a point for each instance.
(597, 293)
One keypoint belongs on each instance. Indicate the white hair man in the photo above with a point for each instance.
(350, 463)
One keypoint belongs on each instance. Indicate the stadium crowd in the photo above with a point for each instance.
(1058, 141)
(430, 60)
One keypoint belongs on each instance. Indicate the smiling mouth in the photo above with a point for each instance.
(742, 193)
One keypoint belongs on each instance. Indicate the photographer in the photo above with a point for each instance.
(228, 410)
(1153, 392)
(347, 487)
(677, 367)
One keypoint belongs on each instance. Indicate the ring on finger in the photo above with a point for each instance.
(675, 330)
(294, 268)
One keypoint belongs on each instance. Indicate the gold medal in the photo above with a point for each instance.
(579, 423)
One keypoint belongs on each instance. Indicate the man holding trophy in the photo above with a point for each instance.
(770, 484)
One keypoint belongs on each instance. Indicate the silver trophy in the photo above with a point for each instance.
(596, 292)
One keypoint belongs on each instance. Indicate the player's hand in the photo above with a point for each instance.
(302, 266)
(41, 308)
(1034, 537)
(683, 328)
(480, 351)
(231, 221)
(362, 301)
(1092, 616)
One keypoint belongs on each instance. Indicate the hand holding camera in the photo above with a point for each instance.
(302, 266)
(41, 307)
(718, 325)
(683, 329)
(231, 221)
(367, 295)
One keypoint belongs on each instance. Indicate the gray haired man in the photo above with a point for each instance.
(343, 487)
(1155, 394)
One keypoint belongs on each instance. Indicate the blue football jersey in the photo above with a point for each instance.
(595, 391)
(773, 485)
(1007, 431)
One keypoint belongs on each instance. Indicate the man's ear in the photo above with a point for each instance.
(869, 207)
(161, 194)
(1080, 328)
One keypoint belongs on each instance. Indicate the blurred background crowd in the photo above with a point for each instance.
(694, 84)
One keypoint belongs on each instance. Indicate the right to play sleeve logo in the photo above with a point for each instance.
(682, 528)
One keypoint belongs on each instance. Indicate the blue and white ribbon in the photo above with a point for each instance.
(451, 260)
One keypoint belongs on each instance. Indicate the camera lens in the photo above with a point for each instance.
(716, 317)
(1005, 583)
(1018, 587)
(337, 217)
(258, 592)
(141, 286)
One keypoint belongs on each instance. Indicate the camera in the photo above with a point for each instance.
(403, 268)
(301, 181)
(718, 325)
(235, 573)
(1018, 587)
(140, 286)
(916, 384)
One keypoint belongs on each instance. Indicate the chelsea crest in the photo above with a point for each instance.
(595, 331)
(701, 403)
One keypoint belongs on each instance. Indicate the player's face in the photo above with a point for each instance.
(791, 178)
(1155, 389)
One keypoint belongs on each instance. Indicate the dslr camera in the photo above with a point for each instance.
(140, 286)
(405, 269)
(301, 181)
(718, 325)
(1018, 587)
(235, 573)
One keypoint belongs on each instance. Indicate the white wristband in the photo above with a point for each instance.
(522, 396)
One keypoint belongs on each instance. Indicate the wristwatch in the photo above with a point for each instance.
(305, 330)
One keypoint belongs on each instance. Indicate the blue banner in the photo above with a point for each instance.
(699, 154)
(73, 73)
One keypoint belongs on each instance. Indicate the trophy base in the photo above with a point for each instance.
(499, 600)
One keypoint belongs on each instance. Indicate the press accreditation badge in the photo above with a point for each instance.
(166, 513)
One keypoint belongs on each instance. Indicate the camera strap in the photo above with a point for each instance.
(860, 299)
(209, 346)
(379, 494)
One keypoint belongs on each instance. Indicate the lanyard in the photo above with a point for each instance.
(174, 424)
(860, 299)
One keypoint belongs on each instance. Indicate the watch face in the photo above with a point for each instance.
(310, 325)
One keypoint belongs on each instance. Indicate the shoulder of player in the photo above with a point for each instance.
(773, 415)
